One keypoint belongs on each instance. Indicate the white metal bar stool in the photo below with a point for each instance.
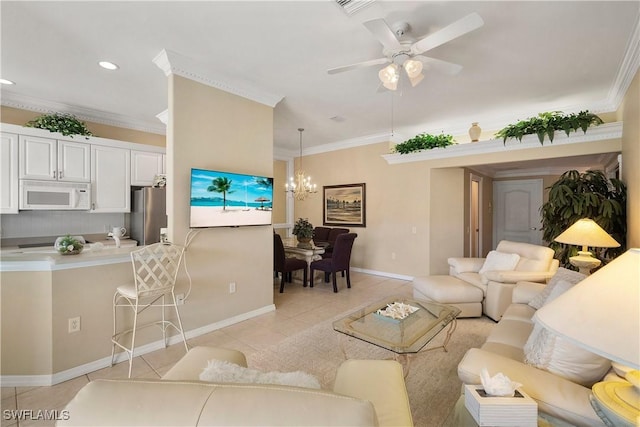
(155, 268)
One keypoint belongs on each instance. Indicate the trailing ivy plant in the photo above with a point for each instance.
(66, 124)
(549, 122)
(585, 195)
(424, 141)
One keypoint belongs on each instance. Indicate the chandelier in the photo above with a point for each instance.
(300, 186)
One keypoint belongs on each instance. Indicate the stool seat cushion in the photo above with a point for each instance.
(447, 289)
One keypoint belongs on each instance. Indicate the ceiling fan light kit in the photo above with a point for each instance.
(407, 54)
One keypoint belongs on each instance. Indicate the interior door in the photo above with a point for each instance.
(516, 213)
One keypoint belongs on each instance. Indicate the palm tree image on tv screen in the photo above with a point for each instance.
(225, 199)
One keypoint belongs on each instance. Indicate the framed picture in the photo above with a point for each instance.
(344, 205)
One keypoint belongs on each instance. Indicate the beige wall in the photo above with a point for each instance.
(631, 160)
(212, 129)
(21, 117)
(279, 196)
(407, 195)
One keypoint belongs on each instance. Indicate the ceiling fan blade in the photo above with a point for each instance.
(439, 65)
(358, 65)
(382, 32)
(450, 32)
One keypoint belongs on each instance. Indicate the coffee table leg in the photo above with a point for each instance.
(405, 360)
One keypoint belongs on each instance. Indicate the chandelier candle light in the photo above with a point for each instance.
(300, 186)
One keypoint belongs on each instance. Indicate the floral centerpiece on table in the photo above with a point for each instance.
(69, 245)
(303, 230)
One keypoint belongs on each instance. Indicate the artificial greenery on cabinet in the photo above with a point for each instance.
(591, 195)
(424, 141)
(64, 123)
(545, 124)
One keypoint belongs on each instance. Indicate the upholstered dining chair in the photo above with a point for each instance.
(155, 268)
(331, 239)
(339, 261)
(284, 265)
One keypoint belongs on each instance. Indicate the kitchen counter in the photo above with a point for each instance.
(46, 258)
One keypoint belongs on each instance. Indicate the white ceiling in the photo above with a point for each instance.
(529, 57)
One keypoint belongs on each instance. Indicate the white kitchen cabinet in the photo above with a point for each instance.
(8, 173)
(145, 166)
(54, 160)
(110, 179)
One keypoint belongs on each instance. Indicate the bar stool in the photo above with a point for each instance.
(155, 268)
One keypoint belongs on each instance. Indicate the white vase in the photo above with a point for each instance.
(474, 132)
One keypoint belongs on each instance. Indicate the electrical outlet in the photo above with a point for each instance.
(232, 287)
(74, 324)
(180, 299)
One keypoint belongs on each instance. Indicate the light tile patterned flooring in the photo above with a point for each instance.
(297, 309)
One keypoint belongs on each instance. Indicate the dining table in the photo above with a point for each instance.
(307, 251)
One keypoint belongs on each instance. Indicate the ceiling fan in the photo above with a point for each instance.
(407, 54)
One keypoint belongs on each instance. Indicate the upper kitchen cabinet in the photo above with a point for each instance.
(54, 160)
(110, 179)
(145, 165)
(8, 173)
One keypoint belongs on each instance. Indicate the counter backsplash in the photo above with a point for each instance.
(32, 225)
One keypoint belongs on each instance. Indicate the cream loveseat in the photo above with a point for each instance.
(365, 393)
(505, 351)
(485, 285)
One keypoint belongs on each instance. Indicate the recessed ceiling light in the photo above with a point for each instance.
(6, 82)
(108, 65)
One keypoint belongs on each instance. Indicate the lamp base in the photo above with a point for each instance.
(617, 403)
(585, 262)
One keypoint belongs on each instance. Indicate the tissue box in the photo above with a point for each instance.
(518, 411)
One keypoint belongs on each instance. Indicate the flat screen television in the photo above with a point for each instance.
(226, 199)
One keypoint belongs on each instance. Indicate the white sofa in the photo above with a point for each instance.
(365, 393)
(476, 291)
(504, 352)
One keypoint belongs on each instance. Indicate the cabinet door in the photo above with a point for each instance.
(74, 161)
(110, 179)
(144, 167)
(37, 158)
(8, 173)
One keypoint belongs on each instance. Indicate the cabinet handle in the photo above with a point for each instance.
(60, 175)
(93, 206)
(55, 173)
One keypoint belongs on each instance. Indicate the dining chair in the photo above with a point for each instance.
(155, 268)
(339, 261)
(284, 265)
(331, 239)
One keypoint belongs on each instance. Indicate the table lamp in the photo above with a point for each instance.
(602, 315)
(586, 232)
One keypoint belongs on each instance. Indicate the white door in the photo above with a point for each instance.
(475, 216)
(74, 161)
(516, 212)
(8, 173)
(38, 158)
(110, 179)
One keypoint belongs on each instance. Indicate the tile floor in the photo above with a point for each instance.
(297, 308)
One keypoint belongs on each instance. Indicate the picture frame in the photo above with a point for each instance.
(344, 205)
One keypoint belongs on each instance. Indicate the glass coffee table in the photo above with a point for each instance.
(402, 337)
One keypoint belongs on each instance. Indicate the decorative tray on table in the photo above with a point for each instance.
(395, 312)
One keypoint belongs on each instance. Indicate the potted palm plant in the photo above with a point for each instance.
(303, 230)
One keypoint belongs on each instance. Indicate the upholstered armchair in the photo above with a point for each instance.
(497, 274)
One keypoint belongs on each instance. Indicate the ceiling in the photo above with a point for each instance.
(528, 57)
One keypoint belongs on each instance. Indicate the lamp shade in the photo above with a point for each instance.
(586, 232)
(602, 312)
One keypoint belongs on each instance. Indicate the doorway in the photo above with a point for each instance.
(516, 214)
(475, 216)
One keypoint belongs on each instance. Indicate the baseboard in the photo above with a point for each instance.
(58, 377)
(382, 273)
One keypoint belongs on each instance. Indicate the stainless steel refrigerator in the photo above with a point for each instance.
(148, 214)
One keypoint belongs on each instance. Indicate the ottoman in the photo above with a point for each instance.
(450, 290)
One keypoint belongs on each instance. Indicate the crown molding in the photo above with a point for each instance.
(37, 105)
(628, 69)
(173, 63)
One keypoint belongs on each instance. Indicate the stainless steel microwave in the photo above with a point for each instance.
(54, 195)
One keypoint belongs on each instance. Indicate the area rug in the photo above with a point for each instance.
(432, 382)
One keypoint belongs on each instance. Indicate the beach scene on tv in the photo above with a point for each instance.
(220, 199)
